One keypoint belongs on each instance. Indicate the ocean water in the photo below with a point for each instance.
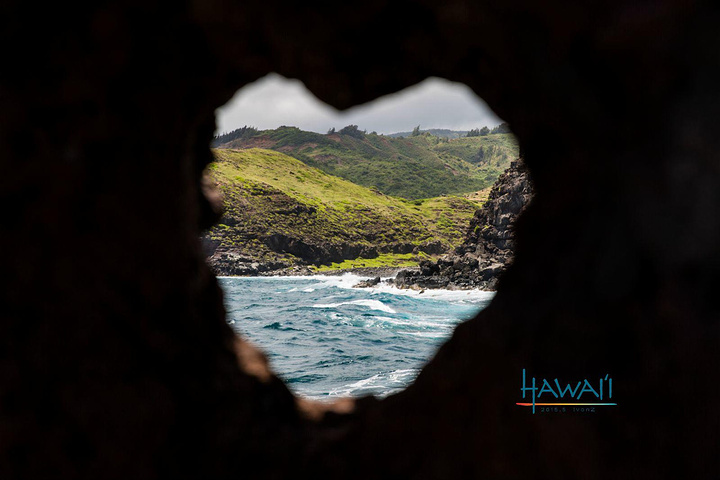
(327, 339)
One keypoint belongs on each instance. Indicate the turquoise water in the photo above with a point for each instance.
(327, 339)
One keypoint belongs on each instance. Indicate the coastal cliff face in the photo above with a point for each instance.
(487, 249)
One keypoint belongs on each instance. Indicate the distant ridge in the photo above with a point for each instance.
(422, 165)
(438, 132)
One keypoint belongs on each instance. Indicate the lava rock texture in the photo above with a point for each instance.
(116, 359)
(487, 249)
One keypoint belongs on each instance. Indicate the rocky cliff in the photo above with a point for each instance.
(487, 249)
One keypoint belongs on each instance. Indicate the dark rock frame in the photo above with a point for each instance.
(115, 358)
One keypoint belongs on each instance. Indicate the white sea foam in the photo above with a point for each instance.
(346, 280)
(349, 280)
(372, 304)
(416, 323)
(466, 296)
(424, 334)
(455, 296)
(389, 382)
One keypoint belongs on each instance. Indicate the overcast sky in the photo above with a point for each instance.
(274, 100)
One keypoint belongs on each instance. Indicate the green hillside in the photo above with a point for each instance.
(280, 210)
(415, 167)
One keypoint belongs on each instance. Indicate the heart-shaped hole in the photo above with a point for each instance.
(327, 222)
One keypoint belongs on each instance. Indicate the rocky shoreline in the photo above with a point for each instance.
(477, 263)
(262, 270)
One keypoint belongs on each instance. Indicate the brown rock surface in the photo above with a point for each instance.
(115, 358)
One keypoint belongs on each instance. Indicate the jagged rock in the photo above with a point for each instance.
(231, 263)
(487, 248)
(431, 248)
(372, 282)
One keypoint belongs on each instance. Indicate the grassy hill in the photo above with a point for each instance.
(415, 167)
(280, 211)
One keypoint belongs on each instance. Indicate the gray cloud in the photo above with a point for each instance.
(274, 100)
